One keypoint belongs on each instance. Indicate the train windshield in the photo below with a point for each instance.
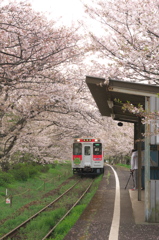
(97, 148)
(77, 148)
(87, 150)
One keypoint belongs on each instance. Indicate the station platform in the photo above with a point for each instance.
(96, 221)
(138, 206)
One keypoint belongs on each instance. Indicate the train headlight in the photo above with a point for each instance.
(97, 140)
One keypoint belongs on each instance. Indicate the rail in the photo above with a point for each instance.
(12, 232)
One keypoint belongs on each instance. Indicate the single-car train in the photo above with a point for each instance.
(87, 156)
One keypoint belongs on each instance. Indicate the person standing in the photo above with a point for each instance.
(134, 167)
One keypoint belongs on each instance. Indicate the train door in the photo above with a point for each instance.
(87, 155)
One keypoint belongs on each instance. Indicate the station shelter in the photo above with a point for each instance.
(108, 96)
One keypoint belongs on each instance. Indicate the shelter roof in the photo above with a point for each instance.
(105, 94)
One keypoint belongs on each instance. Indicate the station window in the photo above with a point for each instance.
(97, 148)
(77, 148)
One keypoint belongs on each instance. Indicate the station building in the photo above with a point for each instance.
(108, 96)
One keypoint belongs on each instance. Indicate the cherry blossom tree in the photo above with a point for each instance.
(44, 99)
(35, 58)
(127, 41)
(128, 38)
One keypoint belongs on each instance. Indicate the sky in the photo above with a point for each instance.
(68, 10)
(65, 11)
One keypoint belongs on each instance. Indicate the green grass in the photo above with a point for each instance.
(48, 219)
(31, 190)
(123, 165)
(42, 224)
(64, 227)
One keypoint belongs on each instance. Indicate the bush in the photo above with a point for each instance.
(43, 168)
(32, 171)
(5, 165)
(2, 183)
(20, 174)
(2, 194)
(5, 179)
(23, 171)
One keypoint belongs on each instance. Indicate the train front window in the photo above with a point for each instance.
(97, 149)
(87, 150)
(77, 148)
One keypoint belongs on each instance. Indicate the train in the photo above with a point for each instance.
(87, 156)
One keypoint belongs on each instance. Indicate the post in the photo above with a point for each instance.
(135, 134)
(139, 159)
(147, 163)
(11, 200)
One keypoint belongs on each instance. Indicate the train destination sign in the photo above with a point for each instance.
(87, 140)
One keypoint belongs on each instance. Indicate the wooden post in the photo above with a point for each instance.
(11, 199)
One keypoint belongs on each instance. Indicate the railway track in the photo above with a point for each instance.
(78, 200)
(14, 234)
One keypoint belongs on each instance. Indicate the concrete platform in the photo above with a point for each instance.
(138, 206)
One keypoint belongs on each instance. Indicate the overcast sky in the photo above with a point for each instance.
(69, 10)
